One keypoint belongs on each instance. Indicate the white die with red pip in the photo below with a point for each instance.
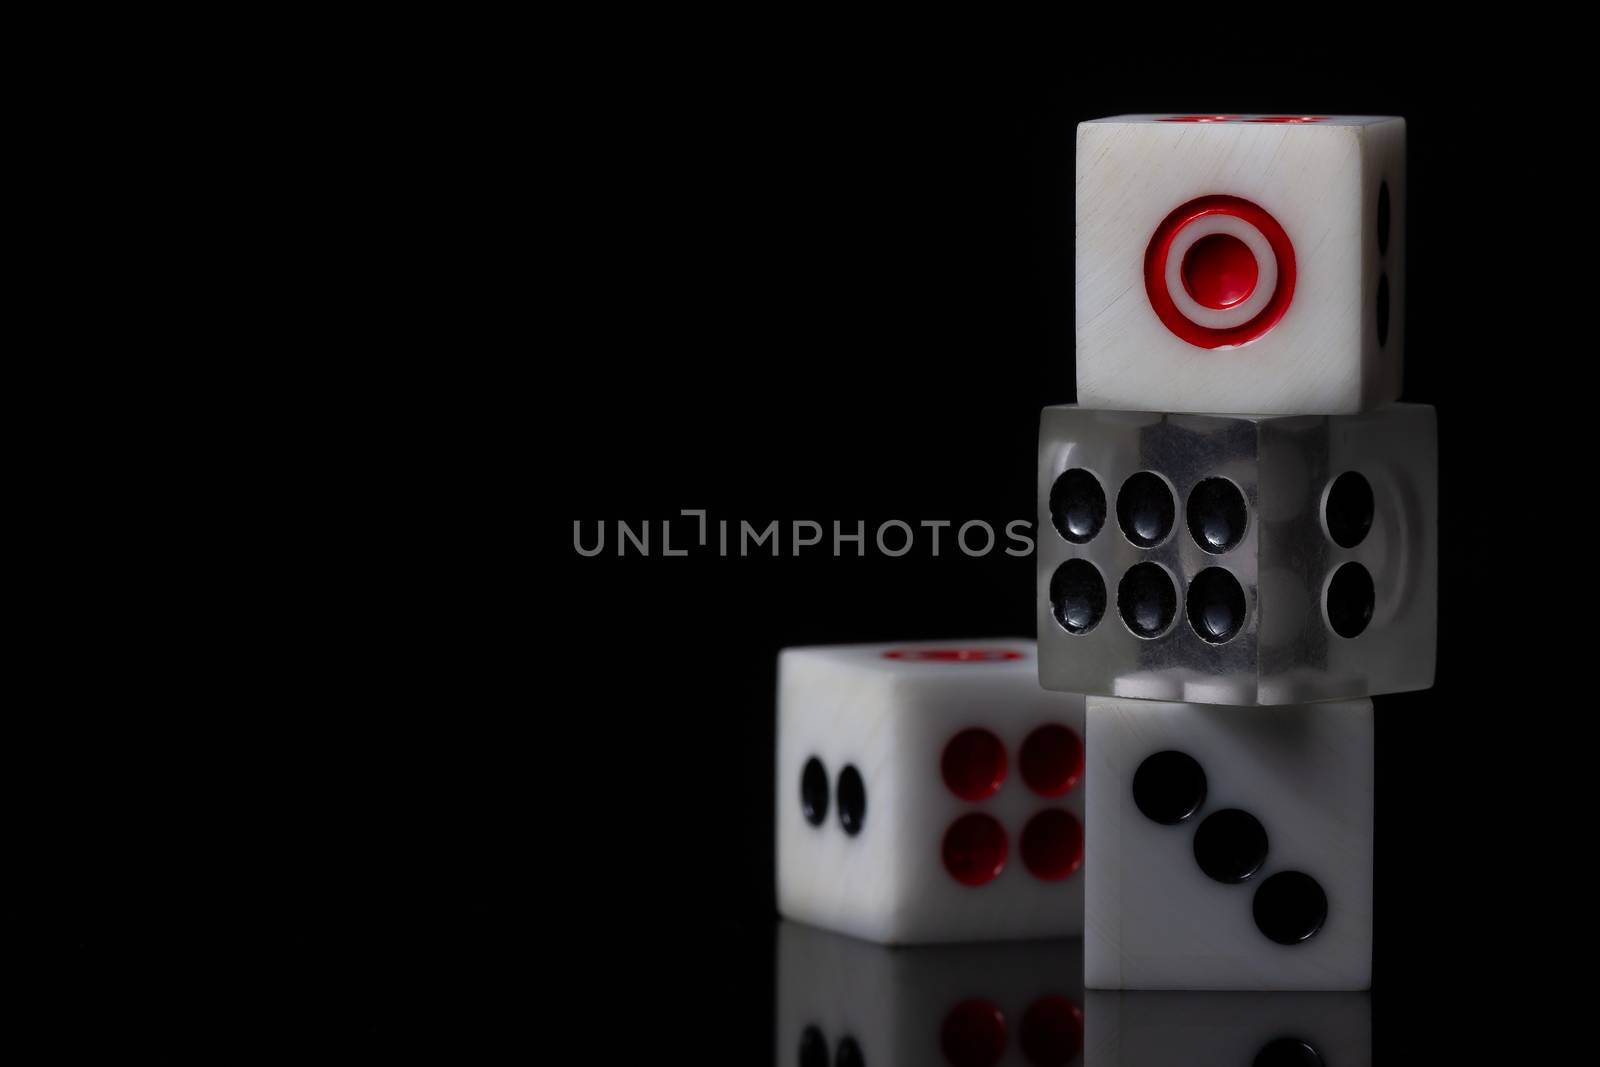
(928, 792)
(1240, 263)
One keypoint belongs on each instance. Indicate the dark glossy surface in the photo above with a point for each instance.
(1051, 1034)
(1349, 509)
(1217, 514)
(1169, 787)
(1216, 605)
(852, 800)
(849, 1054)
(1147, 599)
(1230, 845)
(1024, 1004)
(1077, 505)
(813, 1048)
(814, 791)
(1290, 907)
(1350, 600)
(1145, 509)
(973, 1034)
(1078, 596)
(1288, 1052)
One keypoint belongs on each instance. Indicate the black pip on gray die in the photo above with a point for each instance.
(1237, 559)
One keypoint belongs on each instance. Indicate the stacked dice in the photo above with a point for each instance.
(1236, 552)
(1237, 543)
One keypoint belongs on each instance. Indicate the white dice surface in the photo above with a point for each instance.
(846, 1003)
(928, 792)
(1240, 264)
(1228, 847)
(1227, 1029)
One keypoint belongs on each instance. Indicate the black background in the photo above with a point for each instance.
(452, 777)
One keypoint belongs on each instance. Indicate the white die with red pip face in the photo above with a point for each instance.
(1240, 264)
(929, 792)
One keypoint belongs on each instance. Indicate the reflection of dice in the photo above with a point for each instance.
(1237, 560)
(1235, 263)
(850, 1004)
(1227, 1029)
(1229, 848)
(928, 793)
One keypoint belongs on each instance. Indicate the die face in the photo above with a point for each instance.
(1240, 265)
(973, 780)
(1152, 1029)
(1007, 864)
(1237, 560)
(1007, 1004)
(1349, 555)
(833, 716)
(1229, 848)
(1146, 467)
